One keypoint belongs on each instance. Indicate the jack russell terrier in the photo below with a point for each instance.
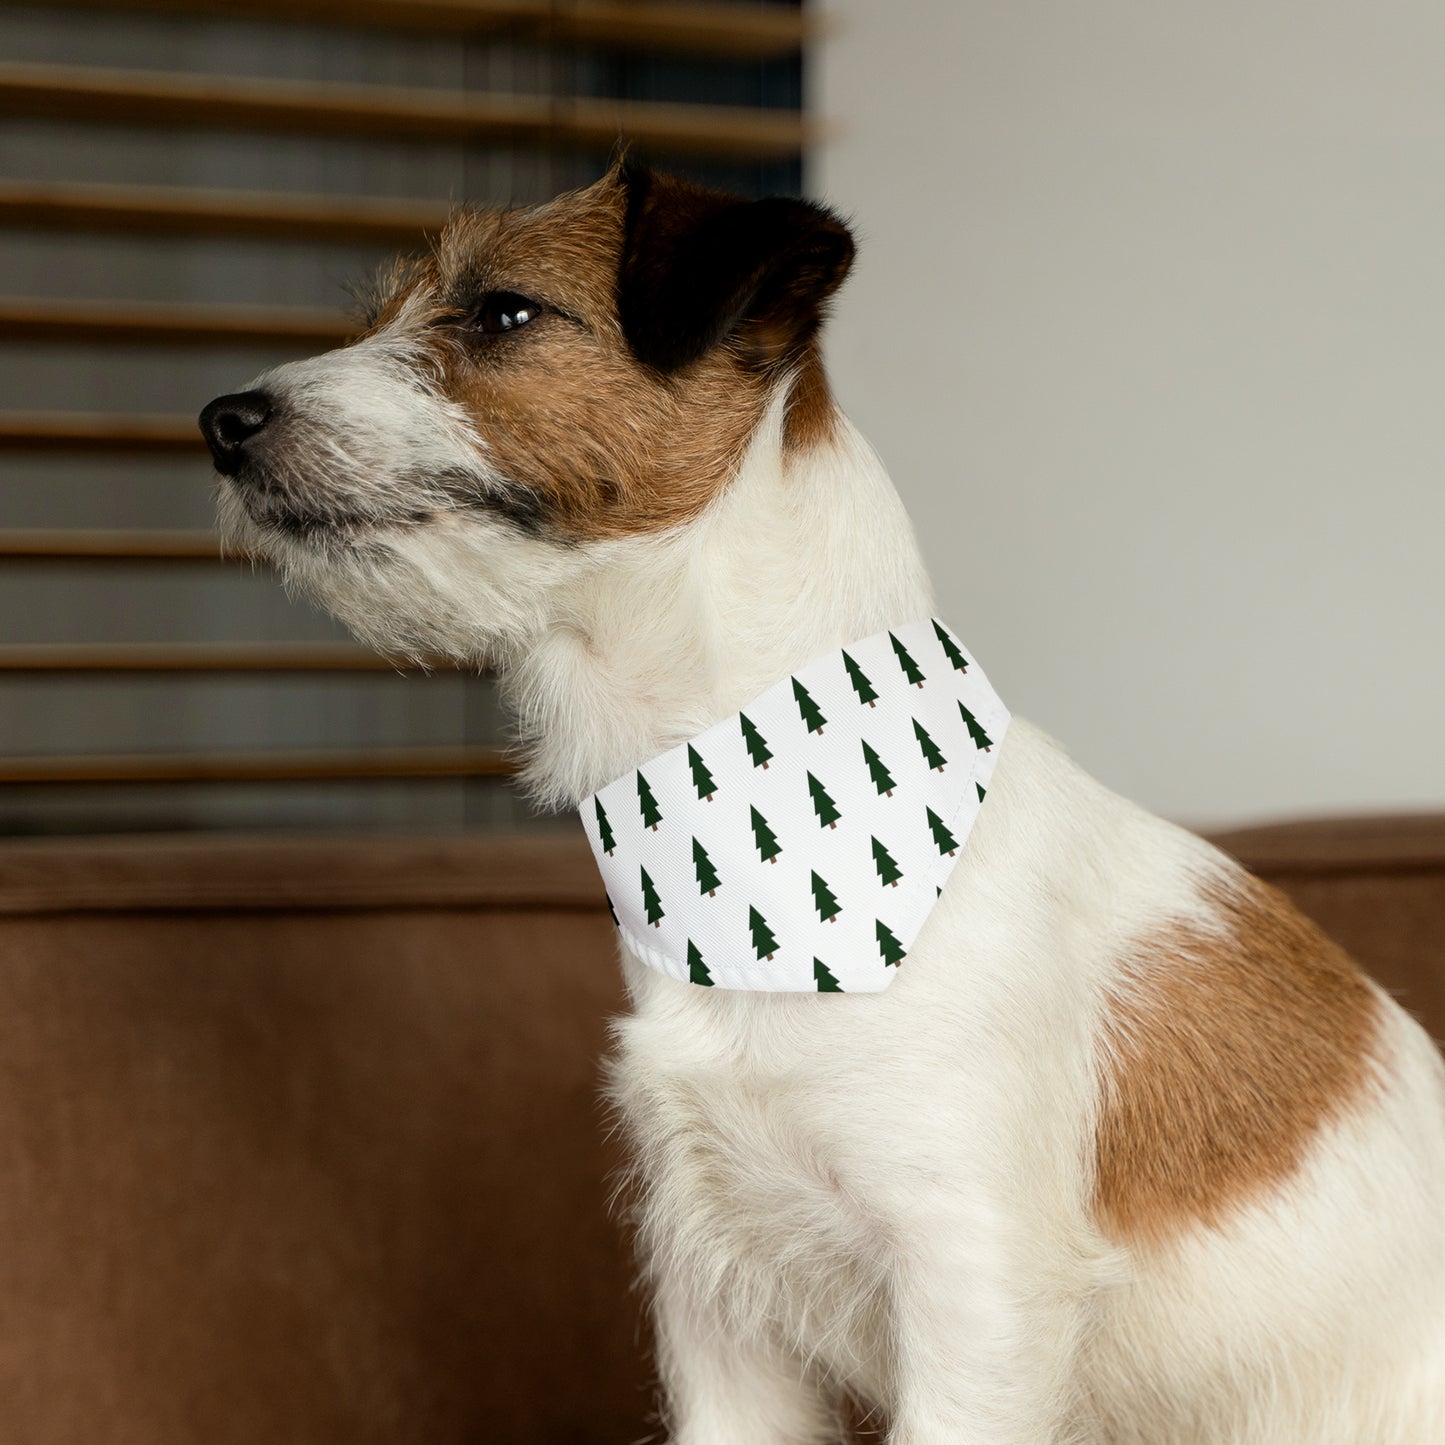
(1101, 1141)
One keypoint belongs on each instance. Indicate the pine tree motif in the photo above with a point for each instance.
(882, 778)
(758, 750)
(651, 813)
(612, 910)
(701, 778)
(947, 843)
(696, 968)
(888, 870)
(823, 805)
(980, 738)
(981, 794)
(860, 682)
(931, 755)
(828, 907)
(950, 649)
(813, 718)
(888, 945)
(707, 879)
(651, 901)
(824, 979)
(763, 939)
(910, 668)
(765, 839)
(604, 829)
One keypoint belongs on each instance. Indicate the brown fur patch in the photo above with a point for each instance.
(812, 415)
(605, 447)
(1226, 1053)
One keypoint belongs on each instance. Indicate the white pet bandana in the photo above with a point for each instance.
(800, 844)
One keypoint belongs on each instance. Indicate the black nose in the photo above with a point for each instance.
(229, 422)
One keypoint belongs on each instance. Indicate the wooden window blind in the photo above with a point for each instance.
(185, 188)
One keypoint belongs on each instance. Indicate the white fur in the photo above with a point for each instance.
(890, 1194)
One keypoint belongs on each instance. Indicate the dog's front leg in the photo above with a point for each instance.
(984, 1350)
(722, 1389)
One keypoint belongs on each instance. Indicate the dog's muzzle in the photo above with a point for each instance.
(230, 422)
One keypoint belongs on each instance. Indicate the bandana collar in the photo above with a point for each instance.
(801, 844)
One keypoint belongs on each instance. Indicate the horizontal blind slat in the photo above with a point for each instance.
(229, 657)
(171, 323)
(715, 28)
(85, 431)
(179, 210)
(218, 102)
(95, 544)
(278, 766)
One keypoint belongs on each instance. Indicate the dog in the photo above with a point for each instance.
(1129, 1153)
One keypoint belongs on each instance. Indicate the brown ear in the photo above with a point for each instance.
(700, 266)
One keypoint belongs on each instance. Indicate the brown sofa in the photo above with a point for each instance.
(301, 1139)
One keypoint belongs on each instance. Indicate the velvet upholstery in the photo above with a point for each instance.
(302, 1139)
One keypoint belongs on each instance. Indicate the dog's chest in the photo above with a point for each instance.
(746, 1182)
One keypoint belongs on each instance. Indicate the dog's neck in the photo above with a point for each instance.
(803, 553)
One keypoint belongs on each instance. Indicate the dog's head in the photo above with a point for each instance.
(547, 382)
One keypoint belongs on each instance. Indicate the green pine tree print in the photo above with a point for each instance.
(696, 968)
(707, 879)
(980, 738)
(650, 901)
(824, 979)
(882, 778)
(823, 805)
(612, 910)
(981, 794)
(910, 668)
(828, 907)
(766, 840)
(651, 813)
(758, 750)
(888, 871)
(945, 840)
(860, 682)
(763, 939)
(888, 945)
(812, 714)
(950, 649)
(931, 754)
(604, 829)
(701, 778)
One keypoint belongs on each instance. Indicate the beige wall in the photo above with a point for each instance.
(1149, 323)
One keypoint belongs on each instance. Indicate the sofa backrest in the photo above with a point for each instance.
(302, 1139)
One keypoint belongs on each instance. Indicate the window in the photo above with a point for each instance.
(184, 196)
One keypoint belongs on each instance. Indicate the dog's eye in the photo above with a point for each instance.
(504, 311)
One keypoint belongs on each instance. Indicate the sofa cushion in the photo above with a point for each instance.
(303, 1141)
